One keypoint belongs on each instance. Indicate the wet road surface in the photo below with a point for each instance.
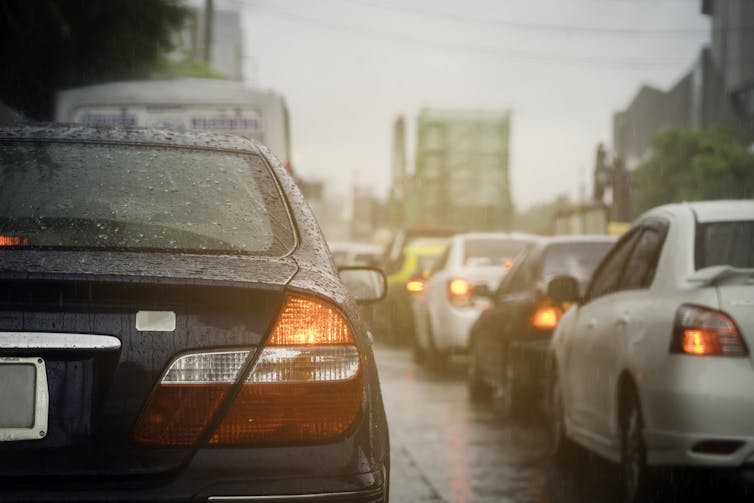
(445, 448)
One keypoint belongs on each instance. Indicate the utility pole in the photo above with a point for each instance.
(398, 192)
(208, 15)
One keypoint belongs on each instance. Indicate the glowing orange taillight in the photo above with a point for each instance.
(459, 287)
(309, 321)
(701, 342)
(13, 241)
(460, 292)
(702, 331)
(546, 317)
(306, 385)
(415, 286)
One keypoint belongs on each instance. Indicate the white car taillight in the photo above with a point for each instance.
(702, 331)
(460, 292)
(306, 385)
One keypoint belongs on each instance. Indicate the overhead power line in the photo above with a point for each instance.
(584, 29)
(553, 57)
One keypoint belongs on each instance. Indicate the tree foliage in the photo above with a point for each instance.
(48, 45)
(169, 68)
(693, 165)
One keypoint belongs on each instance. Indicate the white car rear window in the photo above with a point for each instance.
(725, 243)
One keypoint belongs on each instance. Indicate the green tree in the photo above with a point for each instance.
(169, 68)
(48, 45)
(692, 165)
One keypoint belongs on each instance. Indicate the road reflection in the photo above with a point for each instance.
(446, 448)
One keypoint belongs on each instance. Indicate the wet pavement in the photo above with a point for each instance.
(446, 448)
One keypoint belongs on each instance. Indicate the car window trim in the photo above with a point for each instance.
(661, 226)
(635, 232)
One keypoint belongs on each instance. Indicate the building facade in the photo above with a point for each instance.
(717, 91)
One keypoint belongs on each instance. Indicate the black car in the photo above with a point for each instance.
(509, 341)
(172, 327)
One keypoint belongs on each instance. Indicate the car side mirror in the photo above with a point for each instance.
(365, 284)
(563, 289)
(482, 290)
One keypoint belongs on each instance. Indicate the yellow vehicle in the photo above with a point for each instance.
(395, 322)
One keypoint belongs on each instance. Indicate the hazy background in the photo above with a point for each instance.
(348, 67)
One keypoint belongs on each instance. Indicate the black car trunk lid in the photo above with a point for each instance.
(98, 388)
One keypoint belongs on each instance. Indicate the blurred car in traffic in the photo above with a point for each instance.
(653, 366)
(351, 253)
(394, 319)
(348, 254)
(509, 341)
(393, 259)
(445, 308)
(171, 328)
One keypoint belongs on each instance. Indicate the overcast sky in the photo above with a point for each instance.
(347, 68)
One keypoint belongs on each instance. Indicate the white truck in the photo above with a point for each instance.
(183, 104)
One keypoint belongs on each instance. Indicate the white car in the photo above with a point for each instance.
(351, 253)
(653, 367)
(446, 308)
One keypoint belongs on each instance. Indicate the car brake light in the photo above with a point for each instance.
(13, 241)
(306, 385)
(702, 331)
(415, 285)
(460, 292)
(187, 397)
(546, 317)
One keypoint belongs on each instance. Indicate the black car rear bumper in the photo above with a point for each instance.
(367, 496)
(363, 488)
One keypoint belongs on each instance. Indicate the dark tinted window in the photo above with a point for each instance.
(607, 278)
(484, 251)
(121, 197)
(641, 266)
(725, 243)
(521, 276)
(573, 259)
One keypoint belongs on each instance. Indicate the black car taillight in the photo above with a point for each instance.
(546, 316)
(187, 397)
(306, 386)
(702, 331)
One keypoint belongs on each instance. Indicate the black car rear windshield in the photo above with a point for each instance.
(135, 197)
(574, 259)
(725, 243)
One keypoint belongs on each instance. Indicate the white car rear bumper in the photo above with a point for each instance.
(453, 334)
(699, 411)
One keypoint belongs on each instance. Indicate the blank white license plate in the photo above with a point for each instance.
(24, 399)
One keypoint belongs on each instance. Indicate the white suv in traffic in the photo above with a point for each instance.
(446, 307)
